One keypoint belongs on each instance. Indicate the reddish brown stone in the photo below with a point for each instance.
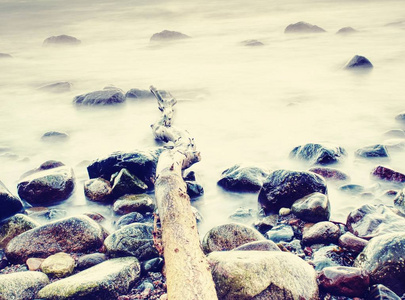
(34, 264)
(384, 173)
(330, 173)
(352, 243)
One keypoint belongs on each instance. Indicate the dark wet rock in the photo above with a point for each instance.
(14, 226)
(243, 178)
(346, 30)
(399, 201)
(9, 204)
(167, 35)
(58, 265)
(384, 259)
(352, 243)
(139, 94)
(98, 190)
(252, 43)
(90, 260)
(49, 164)
(107, 280)
(71, 235)
(314, 207)
(388, 174)
(262, 275)
(326, 257)
(265, 245)
(61, 40)
(352, 189)
(359, 62)
(381, 292)
(102, 97)
(133, 217)
(370, 221)
(319, 154)
(400, 117)
(152, 265)
(194, 189)
(229, 236)
(5, 55)
(266, 223)
(373, 151)
(126, 183)
(47, 186)
(3, 259)
(344, 281)
(57, 87)
(142, 164)
(330, 173)
(34, 264)
(22, 285)
(243, 215)
(134, 203)
(189, 176)
(282, 188)
(132, 240)
(54, 136)
(321, 233)
(303, 27)
(282, 232)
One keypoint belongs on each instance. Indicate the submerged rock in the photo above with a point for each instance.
(61, 40)
(142, 164)
(280, 233)
(252, 43)
(134, 203)
(384, 259)
(102, 97)
(330, 173)
(303, 27)
(318, 154)
(326, 257)
(346, 30)
(344, 281)
(132, 240)
(9, 204)
(139, 94)
(54, 136)
(243, 178)
(57, 87)
(388, 174)
(104, 281)
(229, 236)
(98, 190)
(5, 55)
(370, 221)
(321, 233)
(352, 243)
(22, 285)
(373, 151)
(14, 226)
(314, 207)
(282, 188)
(74, 234)
(47, 186)
(59, 265)
(359, 62)
(167, 35)
(262, 275)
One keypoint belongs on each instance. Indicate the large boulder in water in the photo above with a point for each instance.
(303, 27)
(282, 188)
(319, 154)
(47, 186)
(22, 285)
(142, 164)
(139, 94)
(262, 275)
(388, 174)
(102, 97)
(240, 178)
(107, 280)
(359, 62)
(74, 234)
(373, 151)
(61, 40)
(384, 259)
(9, 204)
(370, 221)
(167, 35)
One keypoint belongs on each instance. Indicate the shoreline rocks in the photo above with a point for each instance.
(319, 154)
(61, 40)
(239, 178)
(9, 204)
(22, 285)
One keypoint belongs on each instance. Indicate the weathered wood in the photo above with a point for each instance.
(188, 275)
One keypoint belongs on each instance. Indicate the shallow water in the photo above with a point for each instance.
(242, 104)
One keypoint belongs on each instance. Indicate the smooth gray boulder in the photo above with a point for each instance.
(100, 98)
(104, 281)
(262, 275)
(346, 31)
(167, 35)
(22, 285)
(240, 178)
(319, 154)
(61, 40)
(303, 27)
(314, 207)
(126, 204)
(57, 87)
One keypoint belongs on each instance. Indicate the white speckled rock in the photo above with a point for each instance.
(22, 285)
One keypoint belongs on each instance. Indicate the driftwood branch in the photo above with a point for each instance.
(188, 275)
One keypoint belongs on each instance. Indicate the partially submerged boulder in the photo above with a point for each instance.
(139, 94)
(107, 280)
(167, 35)
(22, 285)
(57, 87)
(5, 56)
(388, 174)
(303, 27)
(74, 234)
(126, 204)
(252, 43)
(373, 151)
(359, 62)
(102, 97)
(239, 178)
(283, 187)
(61, 40)
(314, 207)
(346, 31)
(262, 275)
(319, 154)
(54, 136)
(9, 204)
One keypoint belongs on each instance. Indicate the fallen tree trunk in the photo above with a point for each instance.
(188, 275)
